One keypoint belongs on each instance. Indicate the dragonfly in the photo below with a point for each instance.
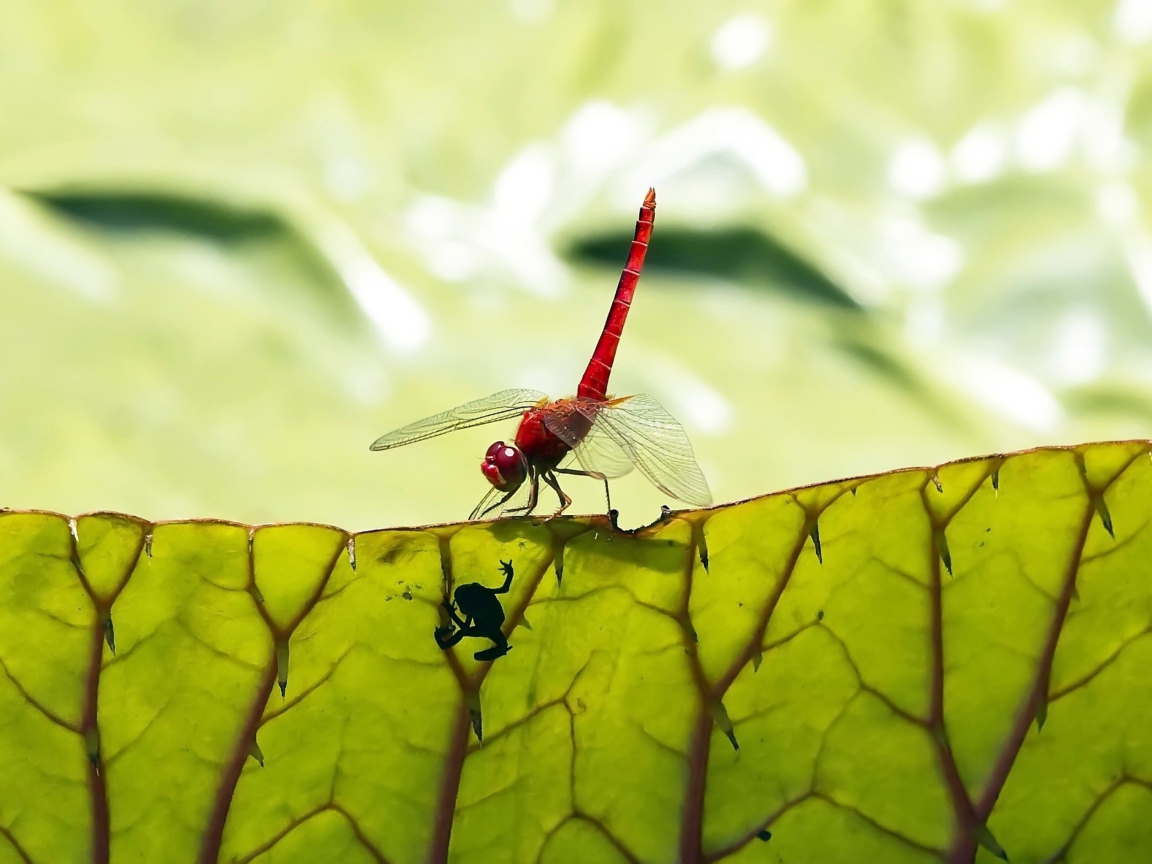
(605, 436)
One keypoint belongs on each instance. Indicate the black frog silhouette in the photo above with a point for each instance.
(483, 616)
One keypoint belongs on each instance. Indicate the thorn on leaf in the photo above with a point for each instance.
(942, 548)
(701, 544)
(764, 834)
(984, 838)
(282, 666)
(92, 746)
(1105, 516)
(475, 715)
(720, 715)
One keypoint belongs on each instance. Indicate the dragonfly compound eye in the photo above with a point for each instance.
(504, 466)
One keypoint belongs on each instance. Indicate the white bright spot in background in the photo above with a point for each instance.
(345, 177)
(916, 256)
(32, 240)
(1117, 203)
(431, 216)
(1072, 55)
(1119, 207)
(741, 41)
(532, 10)
(1047, 132)
(434, 224)
(460, 241)
(599, 137)
(1004, 389)
(1138, 255)
(980, 155)
(515, 229)
(733, 134)
(917, 169)
(1133, 21)
(1079, 350)
(1102, 130)
(524, 186)
(692, 401)
(402, 323)
(924, 321)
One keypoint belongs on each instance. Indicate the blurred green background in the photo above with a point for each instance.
(240, 240)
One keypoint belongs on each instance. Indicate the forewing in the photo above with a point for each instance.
(491, 409)
(571, 419)
(657, 445)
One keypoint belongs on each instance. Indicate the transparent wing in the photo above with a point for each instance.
(600, 453)
(573, 421)
(491, 409)
(491, 508)
(656, 444)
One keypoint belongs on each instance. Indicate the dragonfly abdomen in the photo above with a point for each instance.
(594, 384)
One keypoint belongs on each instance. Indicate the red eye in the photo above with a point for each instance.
(504, 466)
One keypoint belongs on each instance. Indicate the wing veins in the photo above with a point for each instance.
(658, 446)
(491, 409)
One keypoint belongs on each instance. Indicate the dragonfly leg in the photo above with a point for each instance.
(533, 495)
(595, 475)
(565, 501)
(481, 511)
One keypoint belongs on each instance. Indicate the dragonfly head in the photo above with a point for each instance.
(504, 466)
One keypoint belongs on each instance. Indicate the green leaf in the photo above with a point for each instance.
(275, 693)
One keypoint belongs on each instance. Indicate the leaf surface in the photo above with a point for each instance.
(961, 674)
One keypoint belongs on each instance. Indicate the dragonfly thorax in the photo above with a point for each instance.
(536, 441)
(504, 466)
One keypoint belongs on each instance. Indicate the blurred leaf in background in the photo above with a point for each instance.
(238, 241)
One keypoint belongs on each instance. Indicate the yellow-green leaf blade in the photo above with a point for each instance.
(960, 674)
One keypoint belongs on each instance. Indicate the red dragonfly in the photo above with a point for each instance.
(607, 436)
